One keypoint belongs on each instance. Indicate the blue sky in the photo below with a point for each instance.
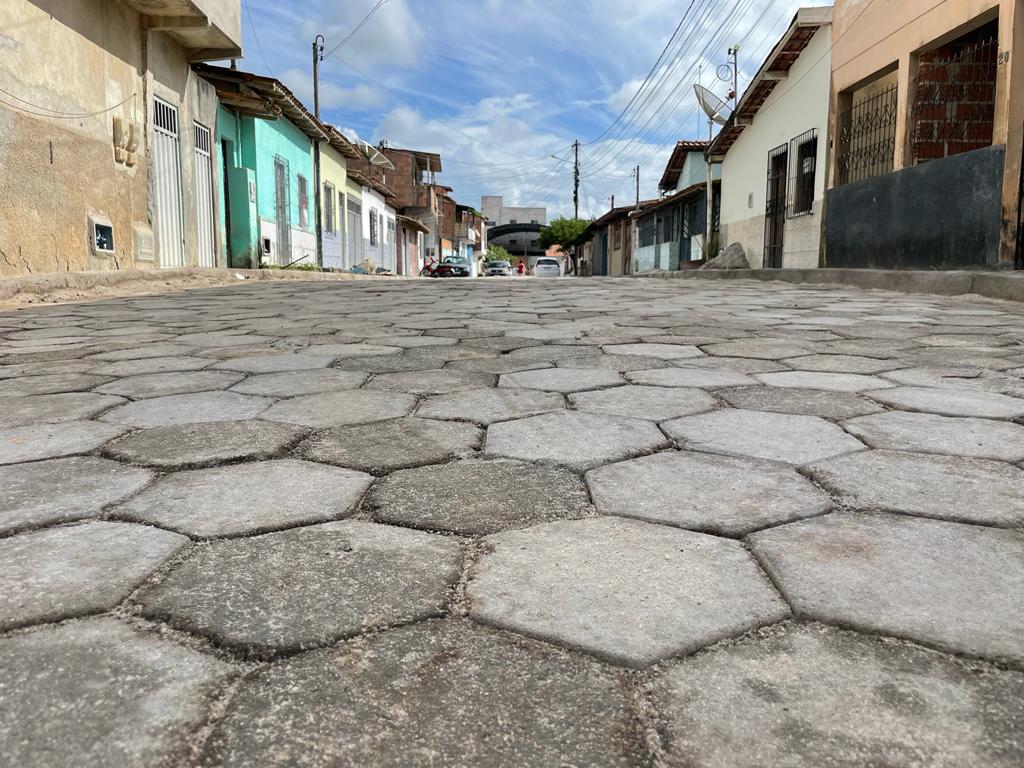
(498, 87)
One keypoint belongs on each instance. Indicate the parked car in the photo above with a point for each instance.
(497, 269)
(454, 266)
(547, 267)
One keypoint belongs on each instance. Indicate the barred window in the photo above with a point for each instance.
(805, 155)
(645, 232)
(300, 181)
(373, 226)
(329, 208)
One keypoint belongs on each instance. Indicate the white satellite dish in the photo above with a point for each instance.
(716, 109)
(375, 156)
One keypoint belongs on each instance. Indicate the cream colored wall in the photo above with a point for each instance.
(798, 104)
(334, 171)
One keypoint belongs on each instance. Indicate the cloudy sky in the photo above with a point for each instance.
(501, 88)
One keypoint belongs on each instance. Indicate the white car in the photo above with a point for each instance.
(547, 267)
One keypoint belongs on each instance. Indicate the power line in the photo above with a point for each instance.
(55, 113)
(256, 37)
(358, 26)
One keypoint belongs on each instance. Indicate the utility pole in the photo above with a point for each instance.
(636, 172)
(318, 51)
(576, 181)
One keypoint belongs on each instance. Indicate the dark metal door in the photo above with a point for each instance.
(775, 207)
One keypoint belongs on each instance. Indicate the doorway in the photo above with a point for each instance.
(775, 207)
(283, 211)
(205, 240)
(167, 185)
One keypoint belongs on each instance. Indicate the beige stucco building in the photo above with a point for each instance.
(927, 127)
(106, 134)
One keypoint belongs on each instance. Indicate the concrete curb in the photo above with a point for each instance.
(46, 284)
(994, 285)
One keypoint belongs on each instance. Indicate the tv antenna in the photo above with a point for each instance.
(716, 109)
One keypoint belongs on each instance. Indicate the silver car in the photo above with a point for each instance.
(547, 267)
(497, 269)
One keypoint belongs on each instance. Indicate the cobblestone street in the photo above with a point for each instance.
(513, 523)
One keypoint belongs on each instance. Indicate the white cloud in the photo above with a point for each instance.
(360, 96)
(391, 38)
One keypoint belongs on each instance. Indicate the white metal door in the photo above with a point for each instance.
(167, 185)
(204, 197)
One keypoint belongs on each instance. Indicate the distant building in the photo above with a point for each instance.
(496, 212)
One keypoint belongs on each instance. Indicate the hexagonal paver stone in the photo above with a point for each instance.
(487, 406)
(801, 402)
(427, 694)
(574, 439)
(49, 384)
(759, 349)
(51, 441)
(276, 363)
(49, 409)
(186, 446)
(432, 382)
(652, 403)
(98, 692)
(152, 365)
(775, 436)
(946, 487)
(627, 591)
(708, 378)
(841, 364)
(562, 379)
(188, 409)
(829, 382)
(817, 696)
(43, 492)
(946, 585)
(351, 350)
(307, 587)
(386, 445)
(60, 573)
(298, 383)
(248, 498)
(716, 494)
(496, 365)
(178, 383)
(664, 351)
(554, 353)
(930, 433)
(336, 409)
(952, 402)
(478, 497)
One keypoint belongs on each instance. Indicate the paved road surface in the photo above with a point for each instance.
(513, 523)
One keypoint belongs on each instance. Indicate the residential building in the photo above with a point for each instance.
(608, 243)
(778, 131)
(411, 233)
(265, 135)
(107, 133)
(470, 233)
(417, 193)
(496, 212)
(335, 155)
(927, 131)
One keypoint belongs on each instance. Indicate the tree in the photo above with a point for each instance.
(497, 253)
(566, 234)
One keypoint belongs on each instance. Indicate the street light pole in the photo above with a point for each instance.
(318, 49)
(576, 181)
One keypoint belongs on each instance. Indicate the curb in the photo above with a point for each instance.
(1008, 286)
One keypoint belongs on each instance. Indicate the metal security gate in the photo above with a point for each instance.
(204, 197)
(283, 210)
(775, 207)
(167, 185)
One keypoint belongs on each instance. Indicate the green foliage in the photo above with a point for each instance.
(497, 253)
(562, 232)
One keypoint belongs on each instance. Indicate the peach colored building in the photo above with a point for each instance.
(926, 128)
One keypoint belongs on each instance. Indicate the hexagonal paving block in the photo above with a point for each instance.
(627, 591)
(716, 494)
(800, 402)
(351, 350)
(175, 383)
(98, 692)
(197, 445)
(276, 363)
(690, 377)
(930, 433)
(432, 382)
(652, 403)
(620, 363)
(48, 384)
(562, 379)
(478, 497)
(248, 498)
(841, 364)
(49, 409)
(817, 696)
(298, 383)
(43, 492)
(664, 351)
(779, 437)
(830, 382)
(952, 402)
(336, 409)
(574, 439)
(496, 365)
(947, 585)
(426, 694)
(1003, 383)
(59, 573)
(307, 587)
(554, 353)
(759, 349)
(947, 487)
(188, 409)
(51, 441)
(152, 365)
(386, 445)
(487, 406)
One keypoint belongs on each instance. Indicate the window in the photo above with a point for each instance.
(805, 155)
(512, 221)
(534, 221)
(617, 236)
(329, 209)
(668, 224)
(645, 232)
(300, 181)
(513, 242)
(373, 227)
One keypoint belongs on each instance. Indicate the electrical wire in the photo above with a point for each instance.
(57, 114)
(256, 38)
(358, 26)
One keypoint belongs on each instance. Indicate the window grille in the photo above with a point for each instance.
(300, 181)
(804, 153)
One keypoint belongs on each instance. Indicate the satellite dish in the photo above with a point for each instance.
(374, 155)
(716, 109)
